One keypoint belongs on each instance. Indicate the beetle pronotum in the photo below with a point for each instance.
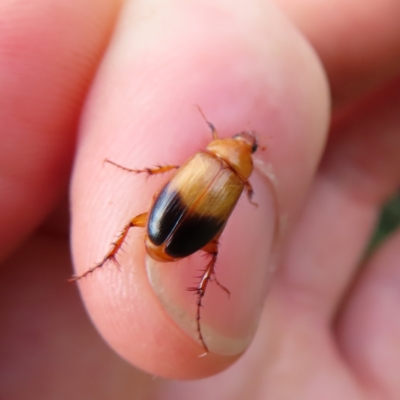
(191, 210)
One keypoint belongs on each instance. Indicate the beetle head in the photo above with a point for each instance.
(250, 138)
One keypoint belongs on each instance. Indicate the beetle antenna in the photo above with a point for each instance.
(212, 127)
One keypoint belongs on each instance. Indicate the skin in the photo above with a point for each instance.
(330, 327)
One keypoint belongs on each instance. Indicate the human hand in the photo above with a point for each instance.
(255, 73)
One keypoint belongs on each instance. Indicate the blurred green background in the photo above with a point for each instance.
(389, 221)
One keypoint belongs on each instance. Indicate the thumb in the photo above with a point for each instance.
(249, 70)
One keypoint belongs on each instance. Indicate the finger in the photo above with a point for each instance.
(358, 42)
(247, 69)
(47, 341)
(48, 52)
(369, 327)
(360, 169)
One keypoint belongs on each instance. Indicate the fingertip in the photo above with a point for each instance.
(139, 114)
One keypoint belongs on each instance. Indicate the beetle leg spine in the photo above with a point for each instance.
(139, 221)
(207, 276)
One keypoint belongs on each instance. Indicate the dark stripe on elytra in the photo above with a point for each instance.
(192, 234)
(167, 211)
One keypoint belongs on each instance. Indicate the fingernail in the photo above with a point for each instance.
(228, 323)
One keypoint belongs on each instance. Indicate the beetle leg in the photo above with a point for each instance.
(139, 221)
(208, 274)
(159, 169)
(250, 193)
(212, 127)
(212, 248)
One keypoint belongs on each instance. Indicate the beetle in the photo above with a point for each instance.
(191, 210)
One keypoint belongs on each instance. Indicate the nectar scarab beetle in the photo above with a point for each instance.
(190, 211)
